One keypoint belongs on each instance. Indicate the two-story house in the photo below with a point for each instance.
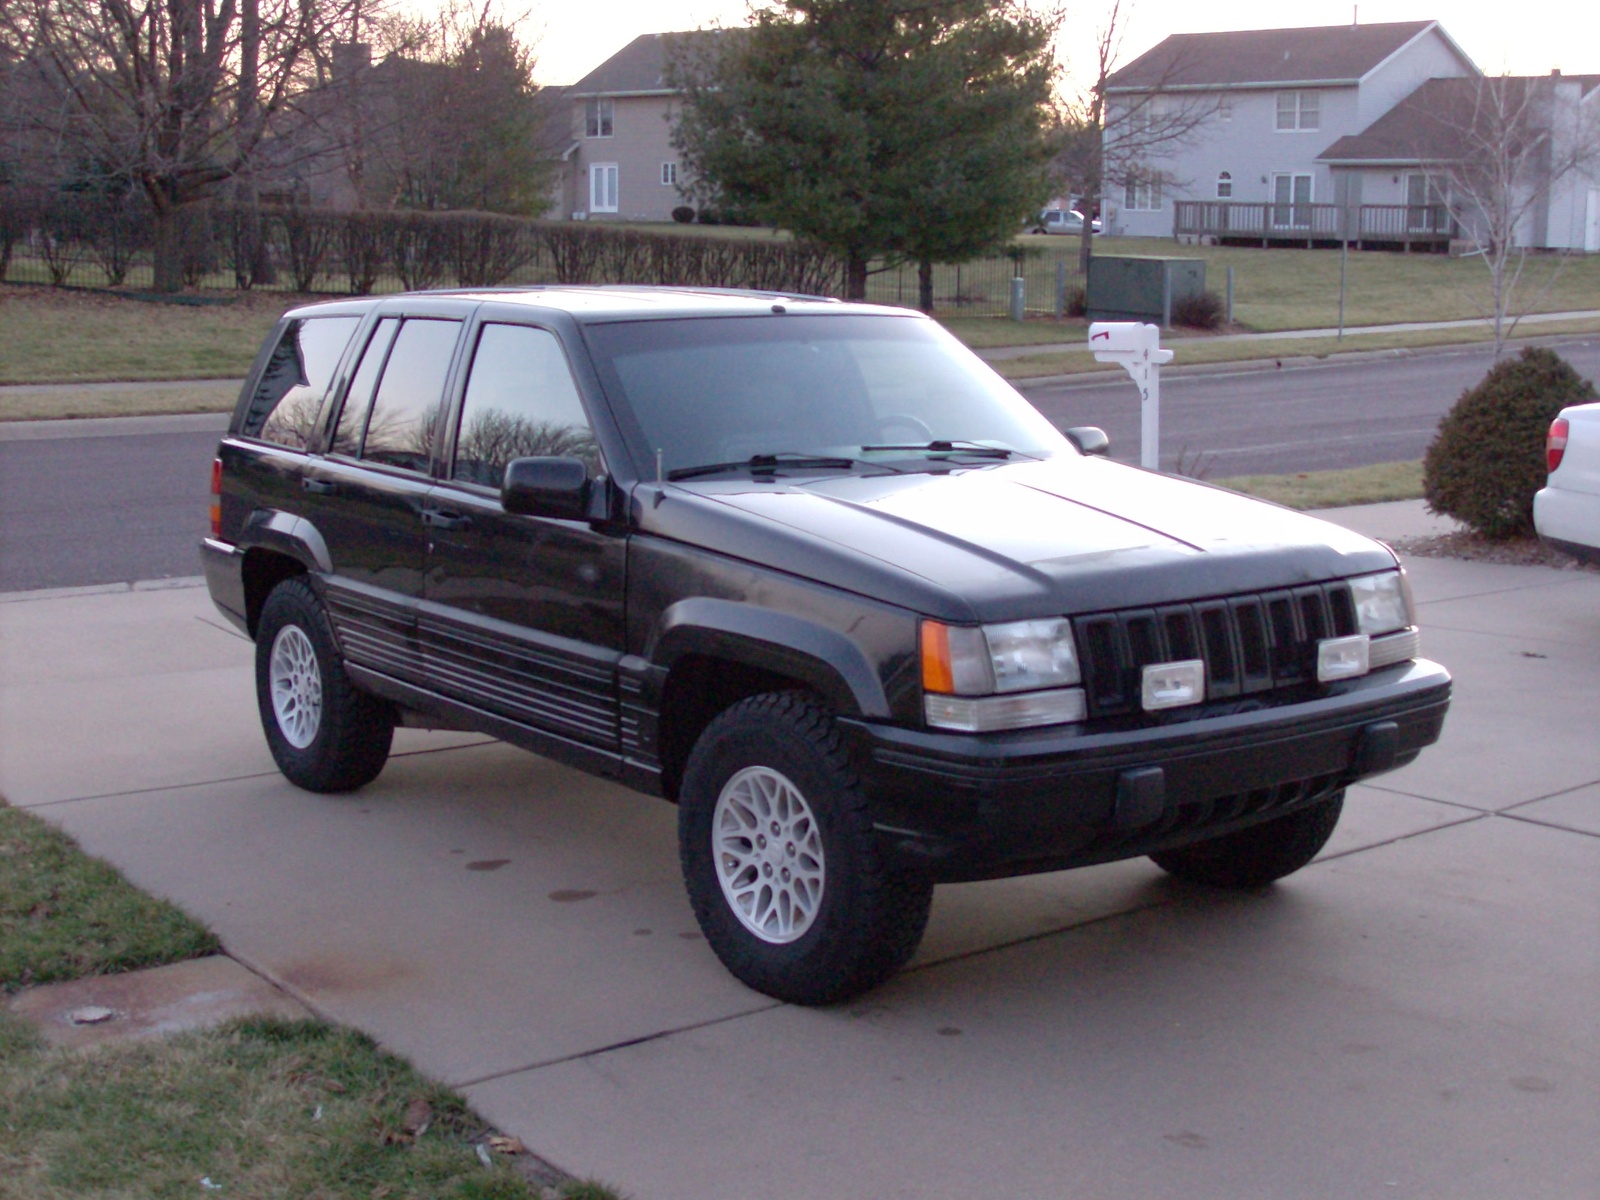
(1247, 116)
(620, 163)
(1450, 145)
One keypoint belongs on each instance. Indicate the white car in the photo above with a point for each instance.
(1062, 220)
(1566, 511)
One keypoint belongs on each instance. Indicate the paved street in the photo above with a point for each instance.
(1250, 421)
(1411, 1016)
(55, 490)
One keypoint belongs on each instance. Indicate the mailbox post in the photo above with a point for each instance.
(1138, 348)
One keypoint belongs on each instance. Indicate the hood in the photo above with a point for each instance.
(1002, 542)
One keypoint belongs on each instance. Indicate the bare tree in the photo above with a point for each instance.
(174, 96)
(1112, 140)
(1500, 148)
(453, 117)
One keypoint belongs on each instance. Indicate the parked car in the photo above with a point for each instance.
(1566, 511)
(815, 573)
(1062, 220)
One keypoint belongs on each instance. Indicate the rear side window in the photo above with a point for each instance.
(521, 402)
(284, 406)
(410, 396)
(352, 425)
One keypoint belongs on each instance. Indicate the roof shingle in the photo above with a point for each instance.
(1325, 55)
(640, 66)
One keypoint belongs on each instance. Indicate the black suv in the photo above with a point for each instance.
(812, 571)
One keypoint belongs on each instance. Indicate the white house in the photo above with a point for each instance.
(1542, 133)
(1267, 104)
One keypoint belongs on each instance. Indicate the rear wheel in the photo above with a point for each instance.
(324, 734)
(780, 859)
(1255, 856)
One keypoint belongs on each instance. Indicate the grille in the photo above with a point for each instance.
(1250, 644)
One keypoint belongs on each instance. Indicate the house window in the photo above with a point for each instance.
(599, 115)
(1141, 195)
(603, 187)
(669, 174)
(1225, 108)
(1427, 200)
(1225, 186)
(1299, 110)
(1291, 201)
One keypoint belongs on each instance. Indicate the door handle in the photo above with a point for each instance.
(436, 518)
(319, 487)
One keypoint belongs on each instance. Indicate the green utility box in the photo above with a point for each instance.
(1141, 287)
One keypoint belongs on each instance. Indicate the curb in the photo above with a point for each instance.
(177, 583)
(1300, 362)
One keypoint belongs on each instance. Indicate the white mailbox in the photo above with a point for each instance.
(1138, 348)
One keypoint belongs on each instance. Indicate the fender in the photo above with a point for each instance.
(823, 658)
(274, 529)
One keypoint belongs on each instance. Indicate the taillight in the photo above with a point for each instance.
(1555, 443)
(216, 497)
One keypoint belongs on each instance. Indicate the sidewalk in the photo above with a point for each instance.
(1005, 353)
(1411, 1016)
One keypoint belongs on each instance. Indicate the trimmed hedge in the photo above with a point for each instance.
(1487, 459)
(267, 245)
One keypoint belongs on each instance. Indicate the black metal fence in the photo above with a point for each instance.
(89, 242)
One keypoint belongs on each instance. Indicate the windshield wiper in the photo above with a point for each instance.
(766, 464)
(949, 446)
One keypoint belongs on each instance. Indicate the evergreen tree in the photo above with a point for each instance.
(902, 130)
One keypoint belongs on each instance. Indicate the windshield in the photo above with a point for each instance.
(878, 390)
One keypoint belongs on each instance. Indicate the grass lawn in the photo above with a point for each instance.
(1299, 289)
(64, 915)
(257, 1107)
(1334, 489)
(1199, 349)
(56, 335)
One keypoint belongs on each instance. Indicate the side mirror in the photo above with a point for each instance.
(546, 487)
(1089, 439)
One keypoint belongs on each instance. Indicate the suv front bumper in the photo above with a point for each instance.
(957, 807)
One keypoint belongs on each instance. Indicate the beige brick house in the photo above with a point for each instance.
(620, 162)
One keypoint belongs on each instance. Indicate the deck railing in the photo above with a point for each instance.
(1271, 222)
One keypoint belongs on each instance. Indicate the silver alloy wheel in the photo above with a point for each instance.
(768, 850)
(296, 682)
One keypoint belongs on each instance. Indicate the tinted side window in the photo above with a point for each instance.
(358, 400)
(410, 396)
(286, 401)
(521, 402)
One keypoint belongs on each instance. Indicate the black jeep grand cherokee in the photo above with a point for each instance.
(812, 571)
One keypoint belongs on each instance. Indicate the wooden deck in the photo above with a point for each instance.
(1389, 226)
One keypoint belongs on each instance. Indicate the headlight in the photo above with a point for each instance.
(1383, 602)
(1018, 656)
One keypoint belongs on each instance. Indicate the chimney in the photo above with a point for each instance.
(1555, 72)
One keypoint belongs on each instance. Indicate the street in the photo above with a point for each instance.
(106, 509)
(1303, 418)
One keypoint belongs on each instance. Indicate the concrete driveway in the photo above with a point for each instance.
(1415, 1015)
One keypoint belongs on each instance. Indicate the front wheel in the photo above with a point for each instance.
(1255, 856)
(324, 734)
(780, 859)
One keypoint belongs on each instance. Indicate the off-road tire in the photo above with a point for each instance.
(870, 916)
(1255, 856)
(352, 731)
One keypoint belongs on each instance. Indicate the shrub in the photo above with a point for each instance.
(363, 247)
(1487, 460)
(1201, 310)
(683, 215)
(308, 240)
(1077, 302)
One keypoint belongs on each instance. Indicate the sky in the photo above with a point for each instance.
(1525, 38)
